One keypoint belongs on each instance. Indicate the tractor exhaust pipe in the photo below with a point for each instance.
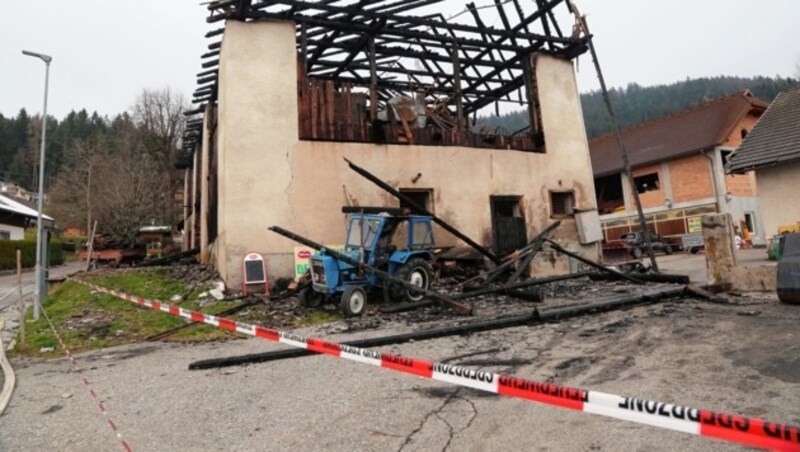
(459, 307)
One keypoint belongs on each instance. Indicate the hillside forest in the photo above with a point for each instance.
(120, 170)
(117, 170)
(635, 104)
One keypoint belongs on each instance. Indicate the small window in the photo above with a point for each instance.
(562, 203)
(5, 235)
(421, 196)
(647, 182)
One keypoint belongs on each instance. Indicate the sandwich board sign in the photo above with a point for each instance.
(254, 271)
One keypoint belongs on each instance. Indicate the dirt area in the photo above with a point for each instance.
(741, 357)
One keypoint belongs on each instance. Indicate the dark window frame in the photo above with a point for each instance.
(563, 210)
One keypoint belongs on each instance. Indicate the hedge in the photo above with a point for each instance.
(8, 253)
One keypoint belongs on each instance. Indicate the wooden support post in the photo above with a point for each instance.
(373, 82)
(457, 87)
(304, 44)
(530, 95)
(330, 109)
(347, 110)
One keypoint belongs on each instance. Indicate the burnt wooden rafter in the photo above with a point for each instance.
(402, 46)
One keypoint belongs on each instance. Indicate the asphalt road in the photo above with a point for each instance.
(742, 358)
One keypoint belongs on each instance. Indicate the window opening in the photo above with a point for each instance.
(562, 203)
(647, 182)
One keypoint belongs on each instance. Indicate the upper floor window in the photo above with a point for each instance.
(647, 182)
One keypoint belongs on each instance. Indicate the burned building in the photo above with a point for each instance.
(291, 88)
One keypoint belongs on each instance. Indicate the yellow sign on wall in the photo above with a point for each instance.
(695, 224)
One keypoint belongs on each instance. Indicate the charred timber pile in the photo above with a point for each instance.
(107, 242)
(532, 318)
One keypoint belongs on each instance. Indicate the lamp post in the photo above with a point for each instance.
(39, 273)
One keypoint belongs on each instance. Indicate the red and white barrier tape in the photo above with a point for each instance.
(87, 384)
(739, 429)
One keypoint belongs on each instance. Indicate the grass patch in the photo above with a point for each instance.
(89, 320)
(316, 318)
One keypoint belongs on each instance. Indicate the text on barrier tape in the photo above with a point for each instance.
(728, 427)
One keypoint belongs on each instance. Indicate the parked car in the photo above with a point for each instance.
(635, 245)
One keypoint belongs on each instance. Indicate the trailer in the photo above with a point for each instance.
(114, 257)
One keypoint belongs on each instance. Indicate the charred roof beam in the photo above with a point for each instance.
(516, 32)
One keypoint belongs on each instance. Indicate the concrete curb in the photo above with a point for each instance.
(8, 376)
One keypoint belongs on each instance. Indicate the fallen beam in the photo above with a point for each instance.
(592, 263)
(459, 307)
(533, 296)
(646, 277)
(704, 293)
(533, 248)
(420, 209)
(519, 285)
(532, 318)
(524, 254)
(169, 258)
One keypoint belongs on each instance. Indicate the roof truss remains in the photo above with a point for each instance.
(381, 44)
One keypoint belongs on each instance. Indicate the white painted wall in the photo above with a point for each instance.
(17, 233)
(267, 176)
(779, 191)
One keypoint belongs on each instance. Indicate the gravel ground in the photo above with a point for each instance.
(742, 357)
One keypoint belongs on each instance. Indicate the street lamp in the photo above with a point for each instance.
(39, 273)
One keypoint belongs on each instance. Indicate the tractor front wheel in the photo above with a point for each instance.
(354, 300)
(310, 298)
(416, 271)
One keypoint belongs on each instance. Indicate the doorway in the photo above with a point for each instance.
(509, 231)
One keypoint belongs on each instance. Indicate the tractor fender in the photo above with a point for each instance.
(399, 258)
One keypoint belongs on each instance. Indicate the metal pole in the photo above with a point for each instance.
(37, 303)
(617, 134)
(21, 301)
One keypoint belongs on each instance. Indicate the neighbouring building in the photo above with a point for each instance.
(677, 163)
(15, 217)
(14, 190)
(293, 89)
(772, 151)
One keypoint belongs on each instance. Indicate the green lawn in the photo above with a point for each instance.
(89, 320)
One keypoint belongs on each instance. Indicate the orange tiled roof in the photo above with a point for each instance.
(701, 127)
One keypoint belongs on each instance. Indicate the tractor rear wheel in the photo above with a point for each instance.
(354, 300)
(310, 298)
(416, 271)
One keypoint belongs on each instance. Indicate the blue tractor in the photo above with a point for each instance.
(388, 239)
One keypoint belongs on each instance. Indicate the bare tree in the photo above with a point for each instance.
(159, 113)
(130, 197)
(73, 193)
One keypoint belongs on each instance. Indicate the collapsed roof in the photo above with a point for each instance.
(351, 41)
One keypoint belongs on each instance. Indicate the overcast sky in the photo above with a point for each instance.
(105, 51)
